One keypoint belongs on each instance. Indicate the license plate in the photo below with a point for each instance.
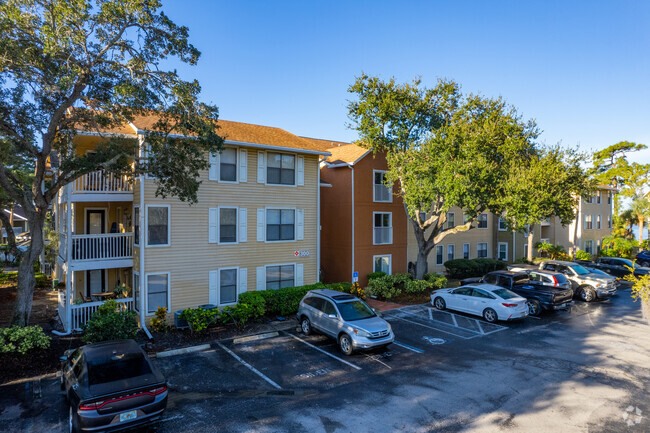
(128, 415)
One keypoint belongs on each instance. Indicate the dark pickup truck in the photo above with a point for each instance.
(540, 297)
(615, 266)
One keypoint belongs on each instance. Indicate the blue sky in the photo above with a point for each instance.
(581, 69)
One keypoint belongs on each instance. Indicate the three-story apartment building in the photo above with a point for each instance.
(254, 227)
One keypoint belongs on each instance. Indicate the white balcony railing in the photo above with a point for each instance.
(100, 182)
(81, 313)
(382, 235)
(105, 246)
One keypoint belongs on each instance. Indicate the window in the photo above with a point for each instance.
(382, 228)
(502, 225)
(589, 247)
(328, 308)
(158, 226)
(465, 218)
(280, 224)
(609, 221)
(227, 286)
(451, 220)
(136, 291)
(228, 165)
(503, 251)
(136, 225)
(381, 264)
(598, 223)
(157, 292)
(589, 199)
(450, 252)
(439, 254)
(598, 197)
(481, 250)
(609, 197)
(227, 225)
(466, 251)
(381, 192)
(482, 221)
(588, 222)
(280, 276)
(281, 169)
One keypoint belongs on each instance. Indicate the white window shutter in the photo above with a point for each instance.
(213, 225)
(243, 224)
(214, 288)
(243, 280)
(300, 224)
(300, 172)
(298, 274)
(261, 277)
(261, 167)
(243, 165)
(261, 225)
(214, 166)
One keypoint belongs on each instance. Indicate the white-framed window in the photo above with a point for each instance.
(503, 251)
(228, 286)
(136, 225)
(451, 252)
(382, 263)
(589, 246)
(280, 169)
(280, 225)
(136, 291)
(451, 220)
(466, 251)
(280, 276)
(598, 222)
(482, 250)
(609, 221)
(588, 222)
(502, 225)
(590, 199)
(440, 250)
(229, 165)
(381, 192)
(382, 231)
(158, 292)
(609, 197)
(227, 225)
(158, 224)
(598, 197)
(482, 221)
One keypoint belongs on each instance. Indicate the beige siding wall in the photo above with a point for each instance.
(190, 257)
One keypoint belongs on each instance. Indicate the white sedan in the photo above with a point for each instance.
(487, 300)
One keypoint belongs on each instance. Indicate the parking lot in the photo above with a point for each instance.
(572, 370)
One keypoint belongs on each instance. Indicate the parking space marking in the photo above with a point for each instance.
(250, 367)
(431, 327)
(376, 358)
(323, 351)
(406, 346)
(453, 316)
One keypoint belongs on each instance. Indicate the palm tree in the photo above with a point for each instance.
(640, 207)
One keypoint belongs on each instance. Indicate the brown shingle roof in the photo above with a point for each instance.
(349, 153)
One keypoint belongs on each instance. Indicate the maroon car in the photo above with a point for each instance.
(112, 386)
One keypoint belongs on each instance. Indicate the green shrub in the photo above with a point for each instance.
(583, 255)
(42, 281)
(437, 281)
(22, 340)
(416, 286)
(200, 319)
(339, 287)
(159, 321)
(465, 268)
(286, 301)
(110, 322)
(383, 287)
(374, 275)
(256, 302)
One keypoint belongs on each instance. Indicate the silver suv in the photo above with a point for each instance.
(587, 285)
(344, 317)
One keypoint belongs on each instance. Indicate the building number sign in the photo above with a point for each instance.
(301, 253)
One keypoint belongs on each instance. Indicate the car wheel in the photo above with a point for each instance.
(305, 326)
(490, 315)
(587, 294)
(534, 307)
(439, 303)
(345, 344)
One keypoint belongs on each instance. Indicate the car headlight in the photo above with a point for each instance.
(361, 333)
(390, 329)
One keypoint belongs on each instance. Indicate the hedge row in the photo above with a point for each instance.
(465, 268)
(389, 286)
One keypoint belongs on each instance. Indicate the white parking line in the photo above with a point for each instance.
(250, 367)
(439, 321)
(323, 351)
(406, 346)
(430, 327)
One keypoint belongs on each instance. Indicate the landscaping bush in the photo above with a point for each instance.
(110, 322)
(416, 286)
(42, 281)
(465, 268)
(383, 287)
(437, 281)
(200, 319)
(339, 287)
(583, 255)
(374, 275)
(159, 321)
(21, 340)
(285, 301)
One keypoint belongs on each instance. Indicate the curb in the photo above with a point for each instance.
(182, 351)
(255, 337)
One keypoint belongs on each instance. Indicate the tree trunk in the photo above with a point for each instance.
(529, 253)
(422, 265)
(26, 273)
(424, 248)
(641, 219)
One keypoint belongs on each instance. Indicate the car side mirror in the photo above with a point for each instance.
(332, 316)
(63, 360)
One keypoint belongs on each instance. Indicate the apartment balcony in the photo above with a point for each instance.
(101, 186)
(101, 251)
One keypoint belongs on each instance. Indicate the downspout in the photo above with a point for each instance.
(352, 182)
(318, 228)
(141, 240)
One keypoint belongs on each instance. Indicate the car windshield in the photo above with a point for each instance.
(118, 367)
(505, 294)
(580, 270)
(355, 310)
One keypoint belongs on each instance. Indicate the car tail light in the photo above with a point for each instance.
(510, 305)
(99, 404)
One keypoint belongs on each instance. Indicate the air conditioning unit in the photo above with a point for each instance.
(178, 322)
